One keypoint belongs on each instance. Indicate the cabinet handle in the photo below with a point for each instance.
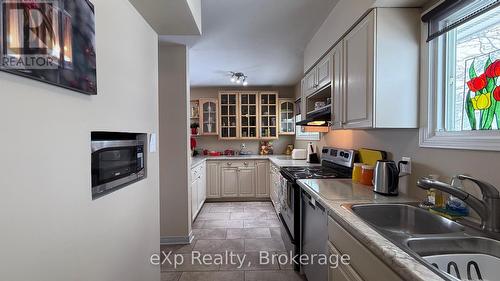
(229, 163)
(245, 163)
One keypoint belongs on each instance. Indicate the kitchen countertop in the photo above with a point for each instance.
(335, 193)
(278, 160)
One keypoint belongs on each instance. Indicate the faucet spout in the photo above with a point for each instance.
(482, 208)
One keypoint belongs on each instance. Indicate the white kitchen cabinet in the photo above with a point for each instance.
(362, 260)
(337, 85)
(318, 77)
(229, 184)
(198, 189)
(286, 117)
(309, 83)
(274, 186)
(213, 180)
(246, 181)
(262, 179)
(381, 69)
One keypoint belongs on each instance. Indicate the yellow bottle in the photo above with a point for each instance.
(356, 172)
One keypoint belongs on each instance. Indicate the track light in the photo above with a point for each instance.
(238, 78)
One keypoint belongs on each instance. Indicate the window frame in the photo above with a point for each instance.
(433, 104)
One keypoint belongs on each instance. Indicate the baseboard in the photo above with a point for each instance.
(237, 199)
(177, 240)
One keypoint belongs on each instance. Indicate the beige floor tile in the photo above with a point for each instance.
(252, 261)
(212, 276)
(178, 249)
(223, 224)
(275, 232)
(197, 224)
(261, 223)
(187, 264)
(213, 216)
(282, 275)
(226, 209)
(255, 245)
(215, 233)
(249, 216)
(170, 276)
(219, 246)
(239, 233)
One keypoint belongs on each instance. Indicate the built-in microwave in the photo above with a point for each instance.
(115, 164)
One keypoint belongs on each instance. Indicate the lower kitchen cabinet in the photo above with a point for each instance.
(238, 179)
(364, 265)
(198, 189)
(262, 179)
(274, 185)
(213, 180)
(246, 182)
(229, 181)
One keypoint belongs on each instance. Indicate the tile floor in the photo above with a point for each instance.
(243, 228)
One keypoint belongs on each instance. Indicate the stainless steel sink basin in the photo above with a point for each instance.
(454, 245)
(403, 219)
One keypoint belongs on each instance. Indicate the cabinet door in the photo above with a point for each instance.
(228, 115)
(310, 83)
(202, 187)
(248, 116)
(287, 117)
(194, 198)
(229, 182)
(324, 71)
(268, 115)
(337, 94)
(262, 179)
(358, 75)
(209, 117)
(246, 182)
(213, 180)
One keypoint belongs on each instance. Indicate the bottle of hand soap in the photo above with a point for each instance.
(454, 204)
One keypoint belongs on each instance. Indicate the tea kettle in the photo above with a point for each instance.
(386, 177)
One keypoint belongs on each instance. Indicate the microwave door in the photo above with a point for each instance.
(114, 163)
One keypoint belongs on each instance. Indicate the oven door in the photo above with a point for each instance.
(115, 163)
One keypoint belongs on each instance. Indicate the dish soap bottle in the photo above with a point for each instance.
(454, 204)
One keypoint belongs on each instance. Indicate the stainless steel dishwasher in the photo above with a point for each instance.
(314, 236)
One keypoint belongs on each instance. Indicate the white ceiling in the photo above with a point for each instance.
(264, 39)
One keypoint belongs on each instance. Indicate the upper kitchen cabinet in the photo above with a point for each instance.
(287, 117)
(229, 115)
(248, 115)
(209, 117)
(380, 83)
(318, 77)
(268, 115)
(337, 82)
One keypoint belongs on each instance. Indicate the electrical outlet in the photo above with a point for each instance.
(406, 168)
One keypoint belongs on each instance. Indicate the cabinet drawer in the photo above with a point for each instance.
(363, 261)
(241, 163)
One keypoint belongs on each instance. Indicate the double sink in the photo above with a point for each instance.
(452, 250)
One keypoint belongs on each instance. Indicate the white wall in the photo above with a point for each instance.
(175, 215)
(50, 227)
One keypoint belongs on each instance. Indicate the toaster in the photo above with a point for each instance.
(299, 154)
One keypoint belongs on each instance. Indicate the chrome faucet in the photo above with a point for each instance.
(488, 208)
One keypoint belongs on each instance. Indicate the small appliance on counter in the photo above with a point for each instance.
(386, 177)
(244, 150)
(312, 157)
(299, 154)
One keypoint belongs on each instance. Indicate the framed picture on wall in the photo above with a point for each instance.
(52, 41)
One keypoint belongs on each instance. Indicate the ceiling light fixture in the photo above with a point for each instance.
(239, 78)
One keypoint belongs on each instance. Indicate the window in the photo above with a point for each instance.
(462, 76)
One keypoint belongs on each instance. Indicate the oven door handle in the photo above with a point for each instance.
(286, 228)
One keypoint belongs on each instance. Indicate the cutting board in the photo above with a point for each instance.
(370, 156)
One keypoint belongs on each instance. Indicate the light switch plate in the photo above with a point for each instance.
(152, 143)
(406, 168)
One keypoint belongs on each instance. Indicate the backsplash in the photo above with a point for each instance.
(213, 143)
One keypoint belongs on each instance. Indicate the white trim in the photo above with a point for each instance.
(431, 134)
(177, 240)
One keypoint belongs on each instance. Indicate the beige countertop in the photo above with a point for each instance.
(278, 160)
(336, 193)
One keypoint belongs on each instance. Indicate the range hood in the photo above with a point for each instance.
(317, 118)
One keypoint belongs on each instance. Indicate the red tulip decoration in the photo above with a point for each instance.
(483, 96)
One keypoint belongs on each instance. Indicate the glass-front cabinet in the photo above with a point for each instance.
(268, 115)
(248, 115)
(287, 117)
(209, 119)
(228, 115)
